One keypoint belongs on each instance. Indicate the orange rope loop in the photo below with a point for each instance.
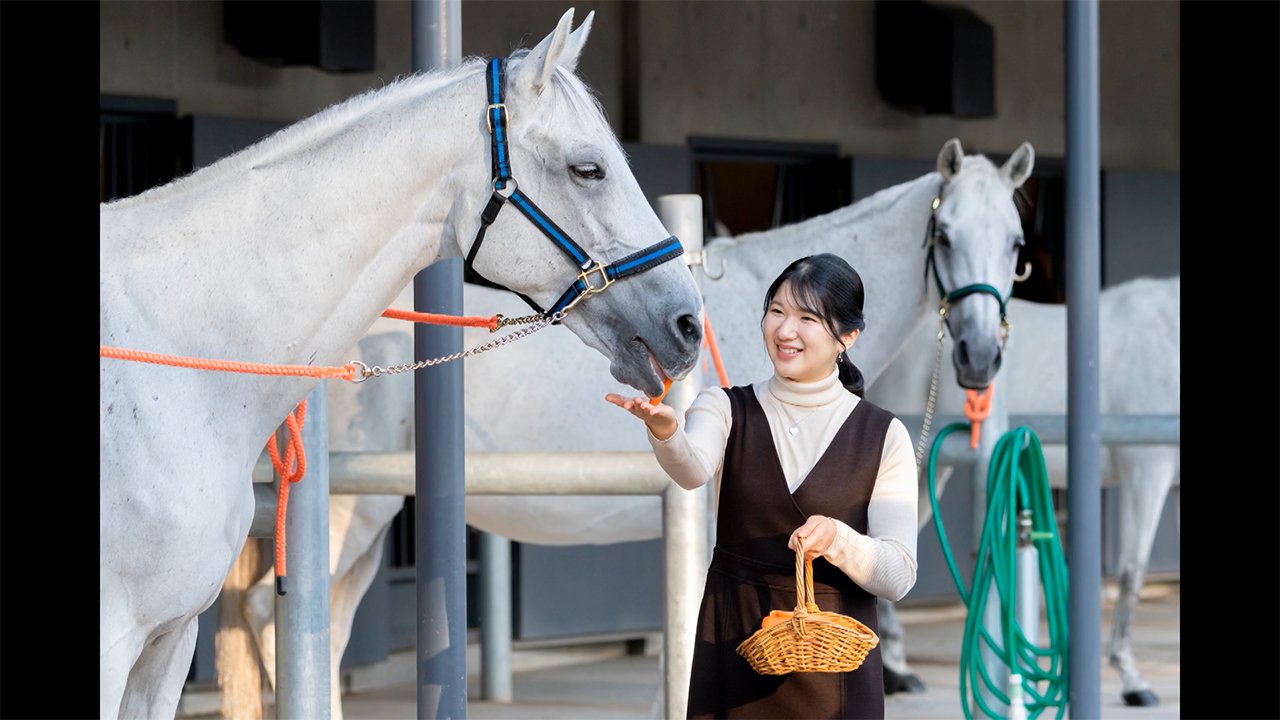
(977, 406)
(290, 470)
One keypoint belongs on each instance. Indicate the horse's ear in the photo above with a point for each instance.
(534, 71)
(577, 38)
(1018, 167)
(949, 159)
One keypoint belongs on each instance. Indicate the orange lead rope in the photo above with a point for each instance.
(710, 339)
(977, 406)
(294, 465)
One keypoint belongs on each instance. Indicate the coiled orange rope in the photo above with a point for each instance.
(977, 406)
(291, 470)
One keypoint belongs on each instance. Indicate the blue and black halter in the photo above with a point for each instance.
(949, 298)
(506, 189)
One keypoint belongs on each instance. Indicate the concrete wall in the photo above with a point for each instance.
(797, 70)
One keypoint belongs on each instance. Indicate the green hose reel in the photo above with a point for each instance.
(1018, 503)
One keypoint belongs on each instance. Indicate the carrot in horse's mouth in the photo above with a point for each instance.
(666, 386)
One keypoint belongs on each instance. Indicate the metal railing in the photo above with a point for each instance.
(638, 473)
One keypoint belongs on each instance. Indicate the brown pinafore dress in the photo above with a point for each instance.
(753, 571)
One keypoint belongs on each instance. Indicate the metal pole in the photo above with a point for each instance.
(302, 614)
(495, 618)
(684, 512)
(1084, 496)
(440, 513)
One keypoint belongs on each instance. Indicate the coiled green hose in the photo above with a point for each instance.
(1017, 486)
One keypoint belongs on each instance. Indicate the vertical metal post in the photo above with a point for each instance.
(1028, 585)
(440, 513)
(684, 512)
(302, 614)
(495, 618)
(1084, 493)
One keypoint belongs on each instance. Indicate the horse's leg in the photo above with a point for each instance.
(898, 676)
(924, 508)
(156, 681)
(117, 654)
(345, 595)
(1145, 475)
(235, 648)
(260, 613)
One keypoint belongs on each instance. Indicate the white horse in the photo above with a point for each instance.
(1138, 330)
(538, 396)
(286, 253)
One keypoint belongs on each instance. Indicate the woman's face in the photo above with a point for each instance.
(798, 342)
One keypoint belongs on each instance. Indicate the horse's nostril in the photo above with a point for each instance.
(689, 328)
(962, 352)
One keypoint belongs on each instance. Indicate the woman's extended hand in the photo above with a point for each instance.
(818, 532)
(660, 418)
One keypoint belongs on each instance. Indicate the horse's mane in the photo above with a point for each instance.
(336, 118)
(582, 99)
(327, 122)
(878, 202)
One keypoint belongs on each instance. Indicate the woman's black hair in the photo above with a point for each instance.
(828, 287)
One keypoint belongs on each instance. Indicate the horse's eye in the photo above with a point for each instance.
(941, 238)
(587, 171)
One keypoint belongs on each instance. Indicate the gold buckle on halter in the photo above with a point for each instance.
(488, 117)
(585, 277)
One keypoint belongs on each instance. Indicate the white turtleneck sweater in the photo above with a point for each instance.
(883, 561)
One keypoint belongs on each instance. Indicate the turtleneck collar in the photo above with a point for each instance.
(812, 394)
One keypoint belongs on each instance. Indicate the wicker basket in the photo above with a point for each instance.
(807, 640)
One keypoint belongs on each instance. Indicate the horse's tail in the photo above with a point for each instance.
(236, 651)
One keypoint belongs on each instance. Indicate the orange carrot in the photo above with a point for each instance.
(666, 387)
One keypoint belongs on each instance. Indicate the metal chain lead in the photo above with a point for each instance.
(522, 320)
(367, 371)
(933, 391)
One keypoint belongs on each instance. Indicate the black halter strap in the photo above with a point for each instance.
(506, 189)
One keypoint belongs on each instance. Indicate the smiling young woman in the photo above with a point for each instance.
(797, 455)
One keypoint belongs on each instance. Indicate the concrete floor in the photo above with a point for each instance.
(605, 682)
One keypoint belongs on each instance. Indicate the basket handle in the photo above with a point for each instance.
(805, 601)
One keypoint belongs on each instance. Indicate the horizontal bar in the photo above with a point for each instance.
(492, 473)
(638, 472)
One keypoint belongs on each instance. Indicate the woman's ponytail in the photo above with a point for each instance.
(850, 375)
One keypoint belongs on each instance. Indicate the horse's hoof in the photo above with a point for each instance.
(1141, 698)
(894, 683)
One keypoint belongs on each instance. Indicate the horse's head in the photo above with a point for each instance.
(575, 201)
(974, 241)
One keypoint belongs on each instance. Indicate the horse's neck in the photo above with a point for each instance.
(288, 251)
(881, 238)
